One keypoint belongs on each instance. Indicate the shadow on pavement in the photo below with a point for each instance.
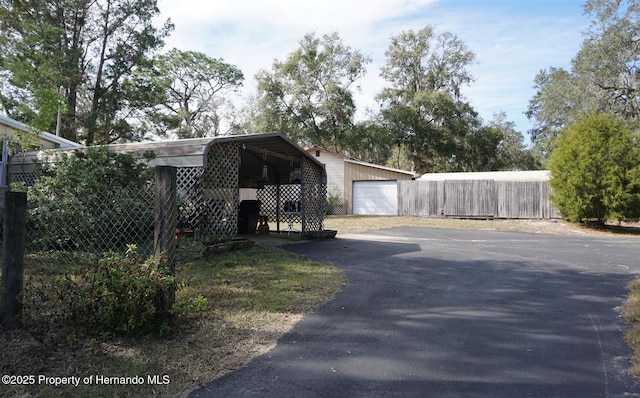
(413, 324)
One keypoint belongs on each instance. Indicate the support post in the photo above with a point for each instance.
(15, 216)
(165, 222)
(278, 212)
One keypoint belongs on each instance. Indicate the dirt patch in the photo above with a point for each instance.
(356, 224)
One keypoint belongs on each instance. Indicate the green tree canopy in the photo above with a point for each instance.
(604, 75)
(309, 95)
(595, 170)
(194, 90)
(423, 106)
(77, 56)
(496, 146)
(95, 197)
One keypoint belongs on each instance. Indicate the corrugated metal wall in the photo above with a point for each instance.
(476, 198)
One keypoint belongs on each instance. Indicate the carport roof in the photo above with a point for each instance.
(274, 149)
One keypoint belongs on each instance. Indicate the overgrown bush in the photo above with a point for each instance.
(595, 170)
(121, 295)
(94, 200)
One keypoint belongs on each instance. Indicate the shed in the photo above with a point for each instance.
(365, 188)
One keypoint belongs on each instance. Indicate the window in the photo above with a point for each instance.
(317, 154)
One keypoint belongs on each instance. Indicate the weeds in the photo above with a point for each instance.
(228, 309)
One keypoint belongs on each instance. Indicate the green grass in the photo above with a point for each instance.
(234, 306)
(631, 312)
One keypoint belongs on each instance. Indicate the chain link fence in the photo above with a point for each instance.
(70, 231)
(83, 229)
(84, 205)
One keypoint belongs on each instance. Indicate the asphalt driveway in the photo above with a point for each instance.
(457, 313)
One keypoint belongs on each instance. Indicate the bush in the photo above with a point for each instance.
(595, 170)
(94, 200)
(335, 203)
(121, 295)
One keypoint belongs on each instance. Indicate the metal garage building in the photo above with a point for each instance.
(366, 188)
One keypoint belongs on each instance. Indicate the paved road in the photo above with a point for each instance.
(457, 313)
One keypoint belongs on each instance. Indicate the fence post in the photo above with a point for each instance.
(15, 216)
(165, 221)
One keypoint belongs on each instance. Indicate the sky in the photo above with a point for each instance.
(512, 39)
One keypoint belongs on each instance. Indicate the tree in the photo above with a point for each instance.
(610, 55)
(76, 56)
(560, 98)
(194, 88)
(369, 141)
(510, 151)
(604, 75)
(309, 96)
(423, 105)
(595, 170)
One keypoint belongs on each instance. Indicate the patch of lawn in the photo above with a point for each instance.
(357, 224)
(234, 306)
(631, 312)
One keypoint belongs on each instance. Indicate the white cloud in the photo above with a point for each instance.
(511, 45)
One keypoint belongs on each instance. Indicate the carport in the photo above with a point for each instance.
(290, 183)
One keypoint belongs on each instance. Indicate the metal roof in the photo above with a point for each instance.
(275, 150)
(282, 155)
(59, 142)
(14, 124)
(532, 175)
(377, 166)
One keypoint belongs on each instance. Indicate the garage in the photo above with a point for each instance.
(379, 198)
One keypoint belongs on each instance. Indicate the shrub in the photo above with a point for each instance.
(94, 200)
(595, 170)
(121, 295)
(334, 203)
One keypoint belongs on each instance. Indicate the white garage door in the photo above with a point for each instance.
(379, 198)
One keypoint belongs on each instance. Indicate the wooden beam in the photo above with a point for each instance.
(263, 151)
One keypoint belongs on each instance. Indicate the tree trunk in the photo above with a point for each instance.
(92, 123)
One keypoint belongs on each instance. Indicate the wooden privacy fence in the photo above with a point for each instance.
(476, 198)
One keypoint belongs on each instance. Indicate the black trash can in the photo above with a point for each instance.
(248, 212)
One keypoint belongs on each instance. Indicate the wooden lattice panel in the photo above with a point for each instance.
(314, 197)
(268, 201)
(284, 207)
(190, 196)
(220, 191)
(28, 179)
(302, 203)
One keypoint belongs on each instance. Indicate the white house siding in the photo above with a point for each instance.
(248, 194)
(334, 166)
(342, 171)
